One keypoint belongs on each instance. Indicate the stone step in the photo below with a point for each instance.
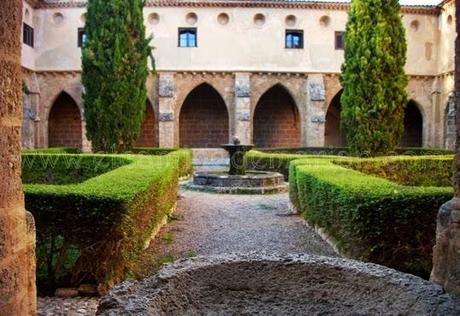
(210, 157)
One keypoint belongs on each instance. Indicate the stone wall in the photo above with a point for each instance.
(17, 235)
(148, 136)
(307, 97)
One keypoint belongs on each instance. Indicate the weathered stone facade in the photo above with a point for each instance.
(241, 70)
(17, 233)
(268, 109)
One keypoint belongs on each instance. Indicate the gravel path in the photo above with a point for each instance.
(206, 223)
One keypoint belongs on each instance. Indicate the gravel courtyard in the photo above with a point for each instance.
(206, 224)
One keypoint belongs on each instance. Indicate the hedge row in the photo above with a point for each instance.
(53, 150)
(344, 151)
(411, 171)
(371, 218)
(265, 161)
(184, 157)
(94, 231)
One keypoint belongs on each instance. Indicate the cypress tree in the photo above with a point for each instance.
(115, 69)
(373, 78)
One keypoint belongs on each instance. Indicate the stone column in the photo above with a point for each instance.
(167, 127)
(243, 124)
(315, 116)
(446, 253)
(17, 241)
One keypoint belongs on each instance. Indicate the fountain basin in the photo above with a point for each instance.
(277, 285)
(253, 182)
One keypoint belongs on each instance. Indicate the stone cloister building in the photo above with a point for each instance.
(266, 71)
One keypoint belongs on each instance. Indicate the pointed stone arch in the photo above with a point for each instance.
(203, 119)
(65, 122)
(333, 134)
(276, 119)
(413, 126)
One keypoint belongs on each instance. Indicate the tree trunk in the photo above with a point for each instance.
(17, 235)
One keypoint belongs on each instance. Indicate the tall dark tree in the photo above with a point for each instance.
(373, 76)
(115, 69)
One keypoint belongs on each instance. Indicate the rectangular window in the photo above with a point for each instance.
(294, 39)
(28, 35)
(81, 37)
(339, 40)
(187, 37)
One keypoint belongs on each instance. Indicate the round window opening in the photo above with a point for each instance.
(324, 20)
(58, 18)
(191, 18)
(259, 19)
(154, 18)
(223, 19)
(291, 20)
(415, 25)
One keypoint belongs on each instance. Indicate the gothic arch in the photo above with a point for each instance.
(413, 125)
(65, 123)
(276, 119)
(203, 118)
(333, 135)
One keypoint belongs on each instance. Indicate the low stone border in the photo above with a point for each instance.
(282, 285)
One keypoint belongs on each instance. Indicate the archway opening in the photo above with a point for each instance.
(65, 123)
(413, 126)
(333, 134)
(204, 119)
(277, 120)
(148, 135)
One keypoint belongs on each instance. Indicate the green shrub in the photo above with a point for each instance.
(114, 71)
(412, 171)
(344, 151)
(263, 161)
(94, 231)
(52, 150)
(371, 218)
(373, 77)
(65, 168)
(184, 157)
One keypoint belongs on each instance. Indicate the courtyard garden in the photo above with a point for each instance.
(107, 220)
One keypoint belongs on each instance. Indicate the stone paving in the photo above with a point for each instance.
(206, 223)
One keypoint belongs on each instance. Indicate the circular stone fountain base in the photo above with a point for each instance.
(272, 285)
(253, 182)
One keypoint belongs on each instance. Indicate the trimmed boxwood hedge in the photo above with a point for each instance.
(371, 218)
(53, 150)
(409, 170)
(94, 231)
(276, 162)
(184, 156)
(343, 151)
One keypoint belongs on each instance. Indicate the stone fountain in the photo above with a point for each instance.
(237, 180)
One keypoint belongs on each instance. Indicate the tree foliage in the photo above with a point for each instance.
(373, 77)
(115, 69)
